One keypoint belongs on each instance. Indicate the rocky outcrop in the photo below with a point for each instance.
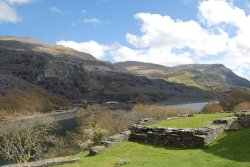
(47, 162)
(178, 137)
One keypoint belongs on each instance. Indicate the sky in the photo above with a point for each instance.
(166, 32)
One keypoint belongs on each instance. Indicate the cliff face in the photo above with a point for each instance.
(75, 75)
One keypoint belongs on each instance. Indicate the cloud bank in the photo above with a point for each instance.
(220, 35)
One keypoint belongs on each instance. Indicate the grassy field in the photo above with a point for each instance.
(197, 121)
(229, 150)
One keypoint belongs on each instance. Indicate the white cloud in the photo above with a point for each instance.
(220, 11)
(91, 47)
(166, 41)
(95, 21)
(8, 13)
(19, 1)
(56, 10)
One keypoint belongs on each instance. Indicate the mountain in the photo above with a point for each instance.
(73, 75)
(213, 77)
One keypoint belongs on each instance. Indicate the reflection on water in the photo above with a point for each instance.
(194, 106)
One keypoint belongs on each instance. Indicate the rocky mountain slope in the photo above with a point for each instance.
(215, 77)
(76, 75)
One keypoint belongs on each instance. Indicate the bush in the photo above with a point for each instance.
(98, 136)
(158, 112)
(211, 108)
(242, 106)
(97, 117)
(229, 101)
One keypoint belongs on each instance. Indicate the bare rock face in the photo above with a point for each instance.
(8, 82)
(75, 75)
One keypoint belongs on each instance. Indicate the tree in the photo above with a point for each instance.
(21, 141)
(212, 107)
(229, 101)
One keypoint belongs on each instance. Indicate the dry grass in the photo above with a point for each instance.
(23, 103)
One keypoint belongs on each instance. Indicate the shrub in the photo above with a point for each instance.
(96, 116)
(229, 101)
(22, 142)
(98, 136)
(158, 112)
(242, 106)
(212, 107)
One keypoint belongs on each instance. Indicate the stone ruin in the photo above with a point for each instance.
(181, 137)
(244, 118)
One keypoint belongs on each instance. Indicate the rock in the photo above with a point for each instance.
(122, 162)
(47, 162)
(116, 139)
(77, 75)
(86, 145)
(243, 118)
(180, 137)
(96, 150)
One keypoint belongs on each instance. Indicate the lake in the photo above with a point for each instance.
(193, 106)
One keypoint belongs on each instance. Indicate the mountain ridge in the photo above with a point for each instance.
(213, 77)
(77, 75)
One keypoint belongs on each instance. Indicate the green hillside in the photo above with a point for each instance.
(215, 77)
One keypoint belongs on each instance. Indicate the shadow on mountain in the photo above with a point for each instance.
(233, 146)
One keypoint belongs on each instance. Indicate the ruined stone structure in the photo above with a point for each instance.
(47, 162)
(110, 142)
(244, 118)
(199, 137)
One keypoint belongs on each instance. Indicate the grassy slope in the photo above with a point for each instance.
(186, 78)
(229, 150)
(198, 121)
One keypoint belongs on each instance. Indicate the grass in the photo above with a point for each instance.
(197, 121)
(186, 78)
(229, 150)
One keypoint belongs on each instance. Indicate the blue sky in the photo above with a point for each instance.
(167, 32)
(40, 22)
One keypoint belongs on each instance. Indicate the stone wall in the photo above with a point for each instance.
(47, 162)
(110, 142)
(199, 137)
(244, 118)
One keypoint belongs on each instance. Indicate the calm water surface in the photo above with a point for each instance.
(193, 106)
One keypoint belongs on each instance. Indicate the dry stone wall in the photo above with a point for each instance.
(244, 118)
(199, 137)
(47, 162)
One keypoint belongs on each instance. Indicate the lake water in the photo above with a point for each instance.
(193, 106)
